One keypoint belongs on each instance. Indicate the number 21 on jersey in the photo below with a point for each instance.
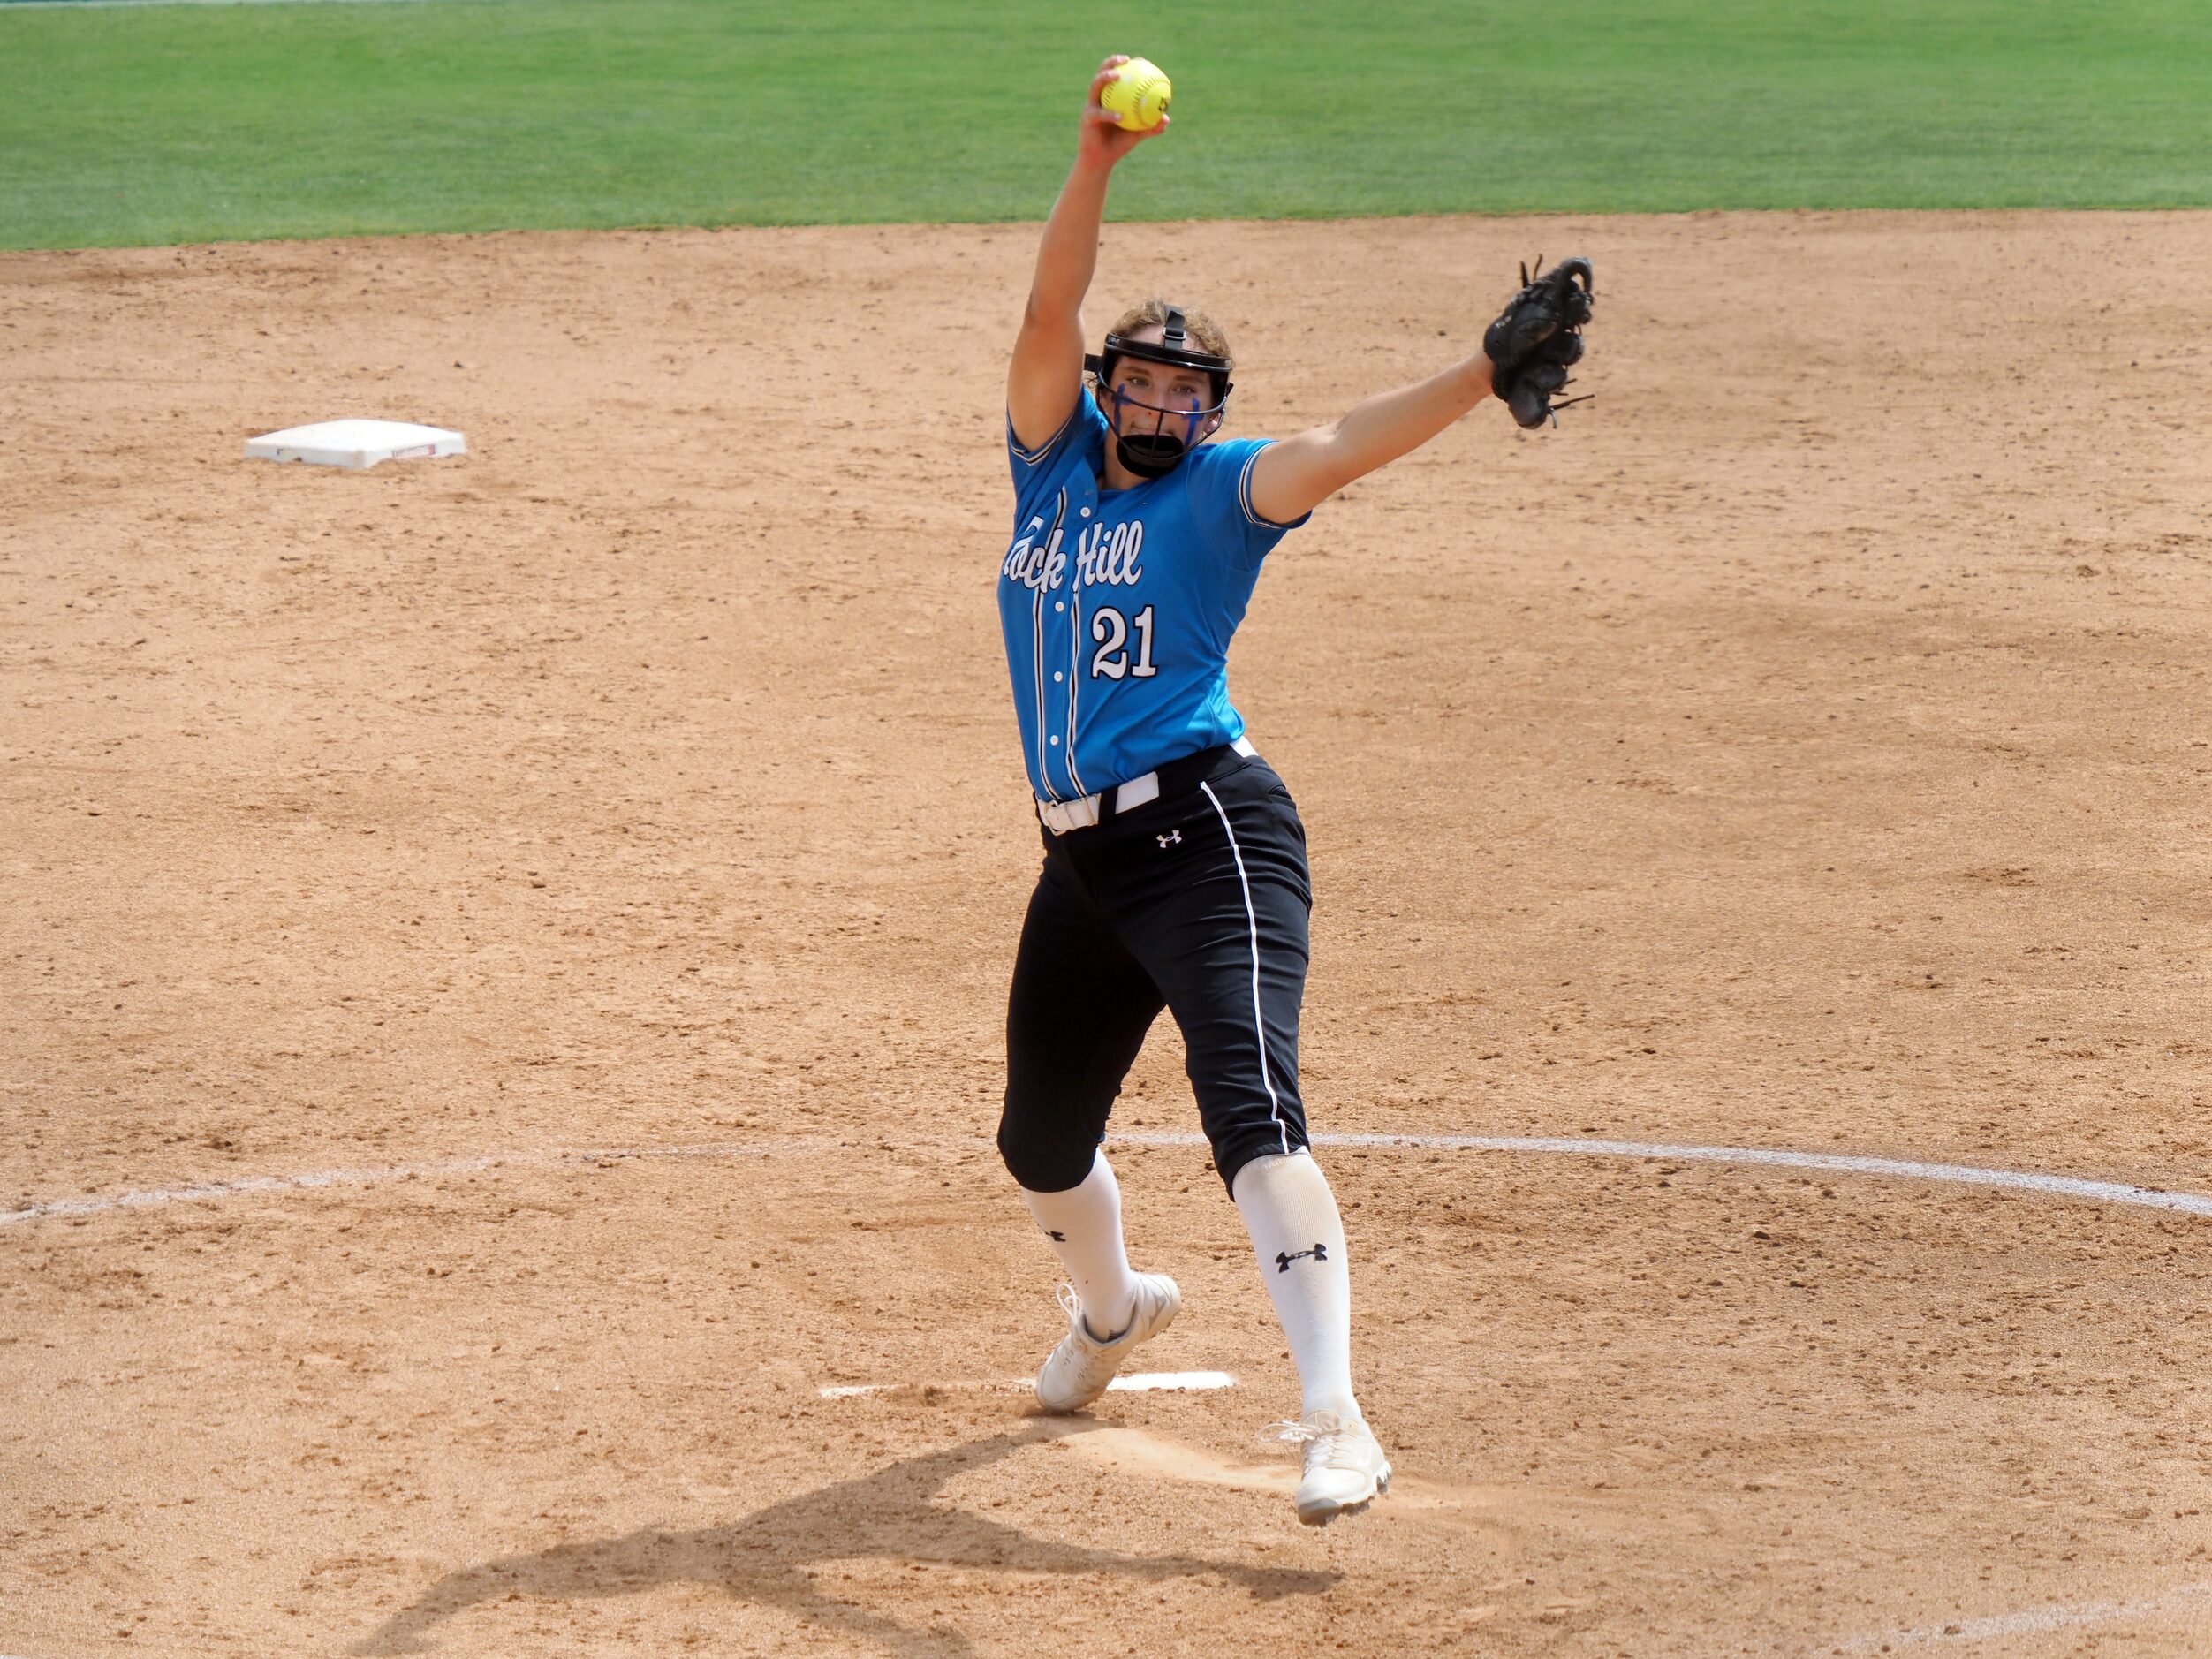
(1110, 630)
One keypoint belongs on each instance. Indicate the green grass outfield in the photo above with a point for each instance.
(191, 123)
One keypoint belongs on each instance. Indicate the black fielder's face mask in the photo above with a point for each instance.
(1149, 438)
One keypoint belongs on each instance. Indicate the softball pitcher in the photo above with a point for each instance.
(1175, 871)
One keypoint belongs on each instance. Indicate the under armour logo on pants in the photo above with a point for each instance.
(1319, 1253)
(1173, 838)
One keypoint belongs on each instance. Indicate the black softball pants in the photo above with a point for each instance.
(1198, 902)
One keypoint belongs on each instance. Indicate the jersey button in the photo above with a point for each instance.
(1056, 742)
(1059, 604)
(1057, 676)
(1087, 513)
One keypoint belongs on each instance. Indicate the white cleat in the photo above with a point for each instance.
(1345, 1469)
(1077, 1372)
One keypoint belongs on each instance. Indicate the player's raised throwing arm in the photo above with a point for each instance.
(1047, 375)
(1523, 361)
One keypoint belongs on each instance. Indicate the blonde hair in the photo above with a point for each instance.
(1204, 332)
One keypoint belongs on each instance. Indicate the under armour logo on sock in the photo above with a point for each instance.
(1173, 838)
(1319, 1253)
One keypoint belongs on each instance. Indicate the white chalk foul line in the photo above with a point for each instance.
(1135, 1383)
(1836, 1163)
(95, 1204)
(1832, 1162)
(2039, 1620)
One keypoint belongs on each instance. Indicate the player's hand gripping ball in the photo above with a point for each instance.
(1137, 97)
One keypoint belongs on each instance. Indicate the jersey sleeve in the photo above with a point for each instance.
(1221, 492)
(1037, 472)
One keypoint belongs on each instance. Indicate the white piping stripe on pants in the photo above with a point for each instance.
(1252, 921)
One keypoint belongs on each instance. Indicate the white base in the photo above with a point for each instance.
(356, 443)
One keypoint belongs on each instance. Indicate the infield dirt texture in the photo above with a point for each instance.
(1806, 747)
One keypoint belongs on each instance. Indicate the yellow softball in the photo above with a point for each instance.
(1137, 97)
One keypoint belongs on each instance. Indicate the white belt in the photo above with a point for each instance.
(1060, 816)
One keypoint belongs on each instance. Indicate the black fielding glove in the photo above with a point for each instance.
(1538, 337)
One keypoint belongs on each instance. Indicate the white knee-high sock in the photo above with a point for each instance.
(1300, 1239)
(1084, 1224)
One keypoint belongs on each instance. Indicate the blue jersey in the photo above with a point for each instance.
(1119, 605)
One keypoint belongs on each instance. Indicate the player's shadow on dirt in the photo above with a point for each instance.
(765, 1558)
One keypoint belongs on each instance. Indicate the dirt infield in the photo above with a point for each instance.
(1806, 747)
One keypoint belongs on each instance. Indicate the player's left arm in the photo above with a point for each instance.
(1524, 362)
(1295, 476)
